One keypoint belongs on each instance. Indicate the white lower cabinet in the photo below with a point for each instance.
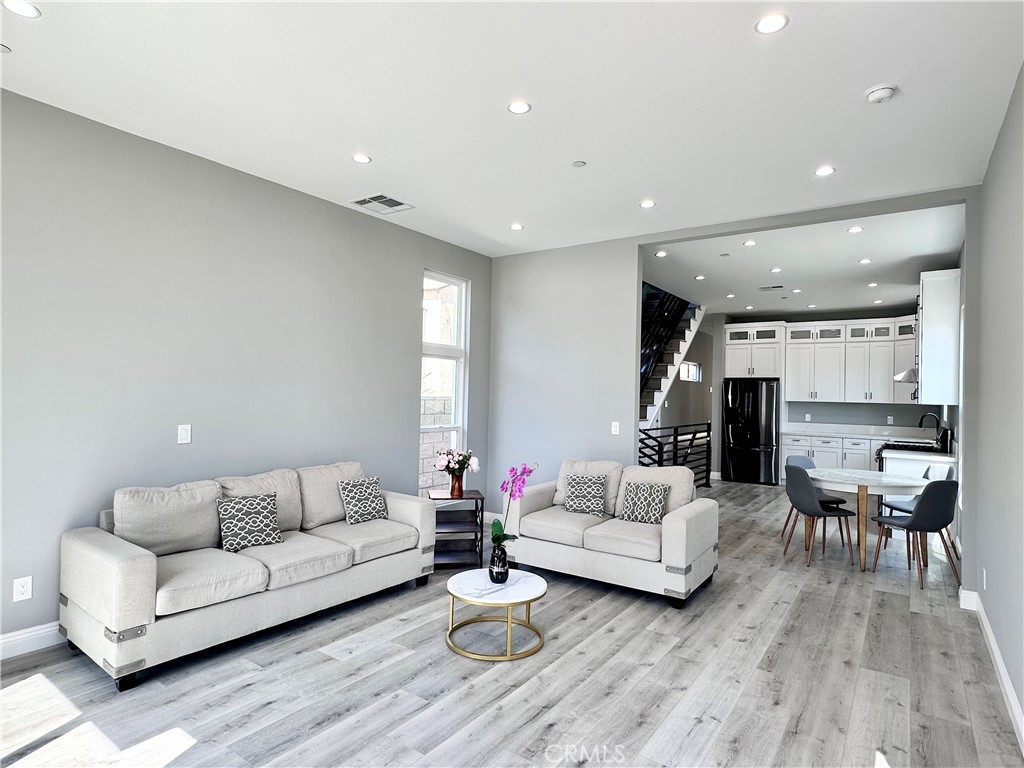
(856, 459)
(829, 452)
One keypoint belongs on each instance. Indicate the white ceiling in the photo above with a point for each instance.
(680, 102)
(822, 260)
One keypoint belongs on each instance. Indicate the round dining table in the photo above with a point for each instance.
(864, 482)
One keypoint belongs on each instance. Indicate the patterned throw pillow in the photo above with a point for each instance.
(248, 521)
(363, 500)
(645, 502)
(585, 493)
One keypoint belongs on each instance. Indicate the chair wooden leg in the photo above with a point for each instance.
(917, 551)
(910, 551)
(849, 541)
(785, 525)
(791, 532)
(810, 549)
(952, 543)
(949, 558)
(878, 545)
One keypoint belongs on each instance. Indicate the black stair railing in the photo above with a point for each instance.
(662, 315)
(685, 445)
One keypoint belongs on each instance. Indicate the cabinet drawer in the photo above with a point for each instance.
(827, 442)
(794, 440)
(857, 444)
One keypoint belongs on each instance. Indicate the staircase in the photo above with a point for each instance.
(667, 327)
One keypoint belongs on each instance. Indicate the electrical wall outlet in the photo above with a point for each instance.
(888, 419)
(984, 579)
(615, 427)
(22, 589)
(807, 417)
(184, 434)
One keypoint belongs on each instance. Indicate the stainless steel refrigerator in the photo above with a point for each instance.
(750, 431)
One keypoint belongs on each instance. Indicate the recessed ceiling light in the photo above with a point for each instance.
(661, 254)
(864, 261)
(516, 227)
(4, 48)
(771, 23)
(878, 301)
(647, 203)
(698, 277)
(825, 170)
(22, 8)
(749, 306)
(750, 243)
(519, 107)
(811, 306)
(798, 290)
(855, 230)
(872, 285)
(579, 164)
(730, 295)
(775, 270)
(362, 159)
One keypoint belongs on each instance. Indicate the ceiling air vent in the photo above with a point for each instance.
(770, 288)
(382, 204)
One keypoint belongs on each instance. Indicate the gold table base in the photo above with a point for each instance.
(508, 620)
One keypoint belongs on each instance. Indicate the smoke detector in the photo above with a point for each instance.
(879, 94)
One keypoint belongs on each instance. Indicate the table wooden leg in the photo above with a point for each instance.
(808, 532)
(862, 525)
(924, 548)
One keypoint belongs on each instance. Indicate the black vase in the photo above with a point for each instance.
(498, 570)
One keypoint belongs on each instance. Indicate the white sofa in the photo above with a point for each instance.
(671, 559)
(151, 583)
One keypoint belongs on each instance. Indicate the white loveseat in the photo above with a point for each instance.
(151, 583)
(671, 559)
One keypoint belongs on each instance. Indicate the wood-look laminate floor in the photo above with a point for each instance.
(773, 664)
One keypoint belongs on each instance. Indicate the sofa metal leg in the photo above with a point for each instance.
(421, 581)
(73, 647)
(127, 682)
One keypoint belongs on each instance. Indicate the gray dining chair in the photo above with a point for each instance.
(932, 514)
(906, 507)
(826, 499)
(805, 499)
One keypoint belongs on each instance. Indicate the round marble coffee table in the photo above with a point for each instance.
(475, 588)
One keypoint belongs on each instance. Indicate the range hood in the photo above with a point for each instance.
(908, 376)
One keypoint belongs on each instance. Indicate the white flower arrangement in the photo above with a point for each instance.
(456, 462)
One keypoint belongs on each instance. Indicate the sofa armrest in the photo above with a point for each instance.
(113, 580)
(535, 498)
(689, 531)
(416, 511)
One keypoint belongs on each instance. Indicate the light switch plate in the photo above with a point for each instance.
(615, 427)
(888, 419)
(184, 434)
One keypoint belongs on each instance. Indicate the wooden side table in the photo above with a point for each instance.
(461, 528)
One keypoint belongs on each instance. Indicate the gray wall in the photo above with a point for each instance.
(994, 326)
(689, 402)
(714, 326)
(144, 287)
(903, 414)
(565, 358)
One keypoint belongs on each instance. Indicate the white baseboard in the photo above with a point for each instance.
(968, 599)
(29, 639)
(716, 475)
(1005, 683)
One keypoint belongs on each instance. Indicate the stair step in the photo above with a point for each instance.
(669, 358)
(660, 371)
(647, 398)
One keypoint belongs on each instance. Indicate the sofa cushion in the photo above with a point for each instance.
(622, 537)
(168, 520)
(362, 500)
(678, 479)
(372, 539)
(585, 493)
(321, 500)
(283, 482)
(188, 580)
(644, 502)
(612, 469)
(300, 557)
(557, 525)
(248, 521)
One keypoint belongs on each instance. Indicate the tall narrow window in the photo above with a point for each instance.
(443, 380)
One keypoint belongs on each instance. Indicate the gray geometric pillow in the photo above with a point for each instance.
(645, 502)
(585, 493)
(363, 500)
(248, 521)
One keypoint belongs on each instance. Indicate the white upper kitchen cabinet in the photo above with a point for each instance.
(799, 372)
(869, 372)
(870, 330)
(737, 361)
(766, 360)
(753, 350)
(905, 328)
(904, 358)
(754, 333)
(829, 372)
(938, 350)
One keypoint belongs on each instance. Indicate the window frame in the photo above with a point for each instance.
(457, 352)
